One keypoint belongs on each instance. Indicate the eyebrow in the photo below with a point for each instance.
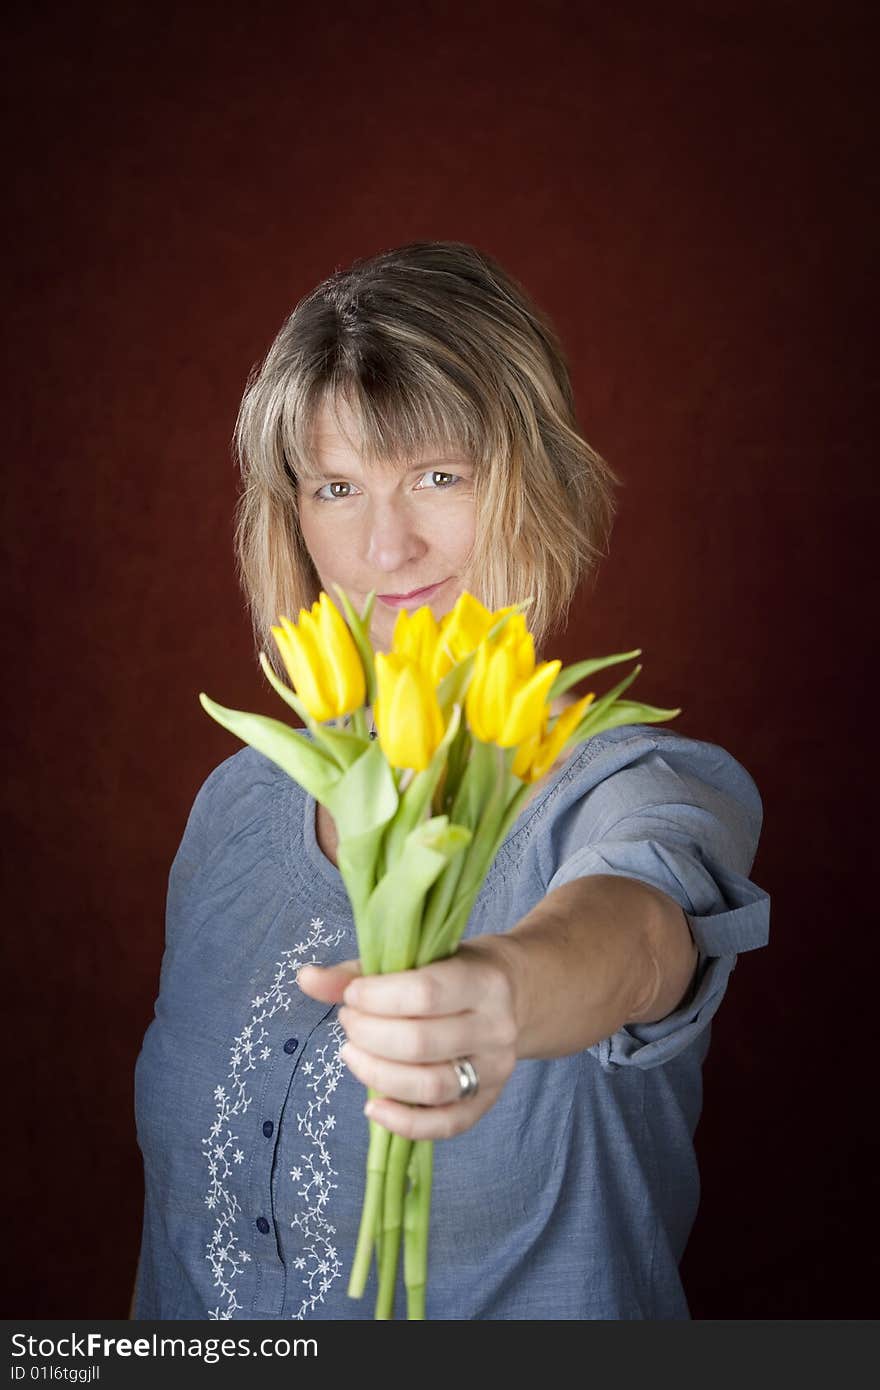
(311, 472)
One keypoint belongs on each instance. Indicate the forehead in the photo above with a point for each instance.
(336, 431)
(336, 438)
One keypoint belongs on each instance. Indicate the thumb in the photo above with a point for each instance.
(328, 982)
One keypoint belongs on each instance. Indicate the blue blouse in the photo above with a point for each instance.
(573, 1197)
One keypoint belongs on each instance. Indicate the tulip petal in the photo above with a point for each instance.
(359, 626)
(413, 709)
(572, 715)
(526, 709)
(442, 662)
(517, 637)
(498, 689)
(559, 735)
(417, 637)
(467, 626)
(345, 673)
(297, 652)
(311, 641)
(408, 718)
(525, 756)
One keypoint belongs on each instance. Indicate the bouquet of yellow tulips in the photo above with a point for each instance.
(462, 715)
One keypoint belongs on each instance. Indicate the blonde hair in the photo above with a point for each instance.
(429, 345)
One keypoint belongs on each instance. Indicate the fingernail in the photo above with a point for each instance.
(370, 1109)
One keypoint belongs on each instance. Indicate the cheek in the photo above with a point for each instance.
(455, 533)
(322, 543)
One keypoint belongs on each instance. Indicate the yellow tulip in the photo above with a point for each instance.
(408, 719)
(322, 661)
(517, 637)
(506, 701)
(538, 753)
(417, 637)
(465, 626)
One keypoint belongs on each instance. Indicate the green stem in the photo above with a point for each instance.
(416, 1220)
(455, 765)
(359, 722)
(377, 1155)
(392, 1209)
(392, 1223)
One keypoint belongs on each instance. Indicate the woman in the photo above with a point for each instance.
(413, 425)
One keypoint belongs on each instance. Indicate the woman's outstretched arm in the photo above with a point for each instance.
(595, 954)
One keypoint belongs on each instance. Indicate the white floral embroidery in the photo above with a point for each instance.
(223, 1253)
(318, 1258)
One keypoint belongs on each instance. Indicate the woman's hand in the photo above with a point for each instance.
(406, 1029)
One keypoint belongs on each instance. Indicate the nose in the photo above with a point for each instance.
(394, 542)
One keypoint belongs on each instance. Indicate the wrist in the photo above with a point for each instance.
(580, 964)
(505, 958)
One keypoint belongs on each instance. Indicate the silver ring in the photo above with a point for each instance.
(469, 1082)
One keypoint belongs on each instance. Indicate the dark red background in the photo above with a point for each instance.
(684, 189)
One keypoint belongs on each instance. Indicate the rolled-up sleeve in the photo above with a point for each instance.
(685, 817)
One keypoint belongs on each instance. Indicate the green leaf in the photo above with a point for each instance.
(357, 857)
(451, 689)
(344, 745)
(366, 795)
(418, 794)
(287, 695)
(491, 814)
(596, 712)
(629, 712)
(570, 675)
(362, 803)
(476, 807)
(477, 783)
(289, 748)
(394, 913)
(456, 761)
(482, 806)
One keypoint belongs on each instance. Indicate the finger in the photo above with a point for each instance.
(445, 986)
(428, 1122)
(434, 1083)
(327, 982)
(423, 1039)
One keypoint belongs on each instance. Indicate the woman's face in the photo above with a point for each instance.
(378, 528)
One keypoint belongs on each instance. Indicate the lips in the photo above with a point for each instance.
(417, 595)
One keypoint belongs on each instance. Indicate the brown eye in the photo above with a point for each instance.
(337, 482)
(438, 473)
